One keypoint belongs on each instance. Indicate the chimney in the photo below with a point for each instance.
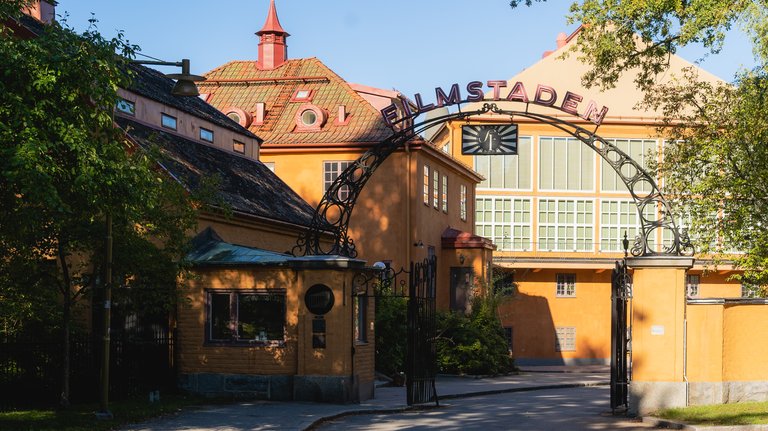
(561, 40)
(273, 51)
(42, 11)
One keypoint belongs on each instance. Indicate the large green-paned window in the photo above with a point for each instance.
(616, 218)
(566, 225)
(640, 150)
(507, 172)
(565, 164)
(506, 221)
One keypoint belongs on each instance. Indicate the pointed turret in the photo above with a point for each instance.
(273, 51)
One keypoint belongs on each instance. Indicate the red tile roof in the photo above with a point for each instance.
(241, 84)
(272, 25)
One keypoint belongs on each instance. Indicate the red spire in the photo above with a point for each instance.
(272, 25)
(273, 51)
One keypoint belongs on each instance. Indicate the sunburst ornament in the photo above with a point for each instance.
(486, 140)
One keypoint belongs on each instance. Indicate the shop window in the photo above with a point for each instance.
(692, 285)
(566, 285)
(245, 317)
(168, 121)
(565, 340)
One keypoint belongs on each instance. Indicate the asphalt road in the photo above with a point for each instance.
(569, 409)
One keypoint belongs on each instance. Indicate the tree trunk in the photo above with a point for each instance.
(66, 317)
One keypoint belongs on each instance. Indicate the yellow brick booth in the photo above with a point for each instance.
(267, 325)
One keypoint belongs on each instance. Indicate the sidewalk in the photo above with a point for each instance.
(265, 415)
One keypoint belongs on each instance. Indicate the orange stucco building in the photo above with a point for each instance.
(420, 201)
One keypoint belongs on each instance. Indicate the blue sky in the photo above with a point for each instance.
(409, 45)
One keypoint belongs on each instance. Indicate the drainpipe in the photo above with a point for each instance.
(685, 352)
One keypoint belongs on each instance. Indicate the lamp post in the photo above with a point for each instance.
(184, 87)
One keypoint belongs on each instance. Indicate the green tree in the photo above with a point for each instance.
(716, 171)
(64, 167)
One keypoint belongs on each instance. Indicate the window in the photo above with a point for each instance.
(168, 121)
(639, 150)
(507, 172)
(505, 221)
(238, 147)
(566, 285)
(206, 135)
(302, 95)
(234, 116)
(749, 289)
(126, 106)
(503, 282)
(565, 164)
(435, 188)
(463, 202)
(446, 148)
(508, 337)
(565, 339)
(445, 193)
(617, 218)
(565, 225)
(308, 118)
(692, 285)
(331, 171)
(241, 316)
(361, 308)
(426, 185)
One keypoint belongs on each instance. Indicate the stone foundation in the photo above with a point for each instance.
(727, 392)
(648, 397)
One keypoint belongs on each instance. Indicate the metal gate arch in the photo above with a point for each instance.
(333, 212)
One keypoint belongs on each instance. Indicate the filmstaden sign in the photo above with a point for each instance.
(544, 95)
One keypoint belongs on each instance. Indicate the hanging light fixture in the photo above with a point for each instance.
(185, 82)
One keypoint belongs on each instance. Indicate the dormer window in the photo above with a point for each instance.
(126, 106)
(302, 95)
(168, 121)
(239, 116)
(309, 118)
(234, 116)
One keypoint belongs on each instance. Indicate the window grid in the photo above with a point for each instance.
(507, 171)
(565, 225)
(506, 221)
(639, 150)
(435, 188)
(618, 217)
(331, 171)
(566, 285)
(445, 193)
(426, 185)
(463, 202)
(565, 164)
(565, 340)
(692, 285)
(245, 317)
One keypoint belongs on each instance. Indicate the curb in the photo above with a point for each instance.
(319, 421)
(670, 424)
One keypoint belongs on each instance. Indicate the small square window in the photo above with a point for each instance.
(206, 135)
(126, 106)
(566, 285)
(302, 95)
(168, 121)
(238, 147)
(565, 340)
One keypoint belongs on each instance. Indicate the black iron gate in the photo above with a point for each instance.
(621, 294)
(421, 361)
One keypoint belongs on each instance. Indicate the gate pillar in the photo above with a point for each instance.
(658, 333)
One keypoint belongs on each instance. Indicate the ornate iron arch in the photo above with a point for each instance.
(333, 213)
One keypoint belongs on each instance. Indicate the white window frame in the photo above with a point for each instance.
(560, 242)
(427, 181)
(435, 189)
(604, 167)
(485, 185)
(692, 285)
(509, 240)
(592, 177)
(463, 202)
(565, 339)
(331, 170)
(445, 194)
(565, 285)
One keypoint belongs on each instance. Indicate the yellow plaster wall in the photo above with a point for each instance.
(745, 342)
(705, 342)
(535, 310)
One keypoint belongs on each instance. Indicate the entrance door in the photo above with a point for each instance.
(462, 279)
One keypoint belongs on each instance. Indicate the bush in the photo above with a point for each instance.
(473, 344)
(391, 334)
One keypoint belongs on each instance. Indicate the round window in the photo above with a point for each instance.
(319, 299)
(234, 116)
(308, 117)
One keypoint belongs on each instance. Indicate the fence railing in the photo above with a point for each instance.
(31, 371)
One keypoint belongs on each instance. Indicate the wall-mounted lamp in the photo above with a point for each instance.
(185, 81)
(418, 244)
(461, 258)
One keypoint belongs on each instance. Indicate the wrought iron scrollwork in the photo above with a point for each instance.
(333, 213)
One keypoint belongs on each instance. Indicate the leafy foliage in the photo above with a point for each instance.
(391, 334)
(473, 344)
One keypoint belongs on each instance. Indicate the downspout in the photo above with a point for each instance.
(685, 351)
